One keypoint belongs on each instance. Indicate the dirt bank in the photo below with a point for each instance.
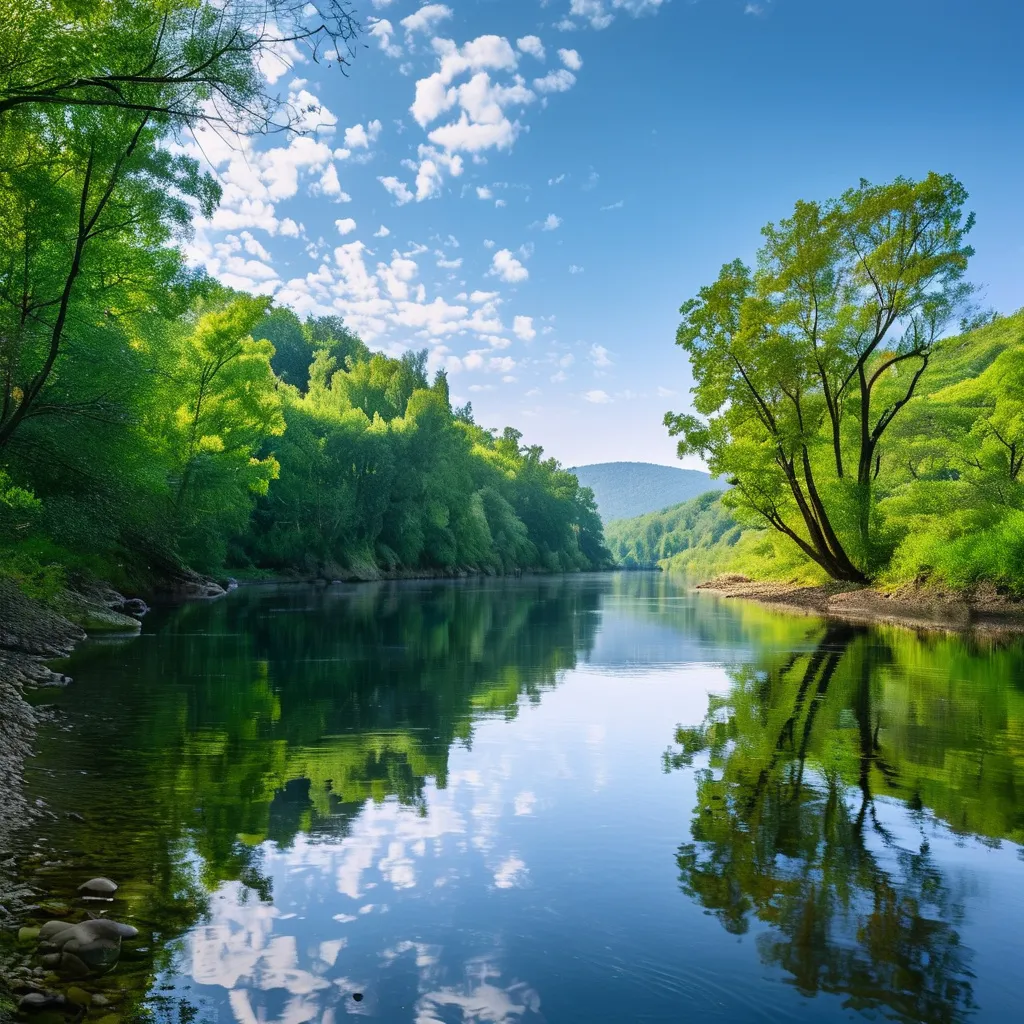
(984, 609)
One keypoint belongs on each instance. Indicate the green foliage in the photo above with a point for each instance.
(803, 365)
(143, 408)
(701, 538)
(952, 514)
(378, 472)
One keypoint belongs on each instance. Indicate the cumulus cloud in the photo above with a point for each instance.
(571, 59)
(522, 328)
(551, 222)
(426, 19)
(575, 268)
(483, 192)
(555, 81)
(382, 30)
(358, 137)
(531, 45)
(598, 397)
(506, 267)
(599, 355)
(398, 189)
(614, 206)
(478, 297)
(345, 226)
(381, 232)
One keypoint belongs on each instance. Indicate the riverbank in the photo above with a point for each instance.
(983, 609)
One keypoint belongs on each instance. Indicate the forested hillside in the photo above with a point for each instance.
(952, 511)
(152, 419)
(623, 490)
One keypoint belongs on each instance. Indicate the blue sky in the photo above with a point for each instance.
(556, 178)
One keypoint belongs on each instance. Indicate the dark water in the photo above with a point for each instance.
(599, 799)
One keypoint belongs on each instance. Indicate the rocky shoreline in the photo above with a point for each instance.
(32, 634)
(982, 610)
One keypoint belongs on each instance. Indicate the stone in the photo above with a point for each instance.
(99, 887)
(36, 1002)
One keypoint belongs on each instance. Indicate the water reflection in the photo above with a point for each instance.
(446, 798)
(795, 761)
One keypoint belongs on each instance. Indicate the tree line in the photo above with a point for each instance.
(151, 418)
(862, 442)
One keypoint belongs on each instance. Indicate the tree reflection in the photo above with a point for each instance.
(788, 831)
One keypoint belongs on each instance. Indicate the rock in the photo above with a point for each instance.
(78, 950)
(98, 887)
(78, 996)
(99, 999)
(36, 1002)
(134, 606)
(28, 934)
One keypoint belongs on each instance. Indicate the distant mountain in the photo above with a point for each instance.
(627, 489)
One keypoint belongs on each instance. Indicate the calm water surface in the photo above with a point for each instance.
(592, 799)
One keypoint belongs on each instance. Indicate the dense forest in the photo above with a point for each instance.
(152, 419)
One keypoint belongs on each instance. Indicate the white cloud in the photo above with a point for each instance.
(598, 397)
(571, 59)
(600, 13)
(531, 45)
(753, 9)
(329, 185)
(277, 57)
(555, 81)
(381, 232)
(289, 228)
(308, 115)
(574, 268)
(483, 192)
(358, 137)
(599, 355)
(556, 181)
(489, 243)
(426, 19)
(345, 226)
(522, 328)
(505, 266)
(479, 297)
(614, 206)
(665, 392)
(446, 264)
(253, 247)
(382, 30)
(551, 222)
(593, 11)
(398, 189)
(500, 203)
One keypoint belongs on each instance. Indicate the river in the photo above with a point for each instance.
(594, 799)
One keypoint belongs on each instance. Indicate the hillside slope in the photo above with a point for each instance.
(627, 489)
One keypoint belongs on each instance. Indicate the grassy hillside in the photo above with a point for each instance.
(627, 489)
(952, 515)
(702, 538)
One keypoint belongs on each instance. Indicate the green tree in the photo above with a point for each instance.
(220, 405)
(802, 365)
(180, 62)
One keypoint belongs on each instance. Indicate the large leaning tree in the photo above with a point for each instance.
(802, 364)
(91, 197)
